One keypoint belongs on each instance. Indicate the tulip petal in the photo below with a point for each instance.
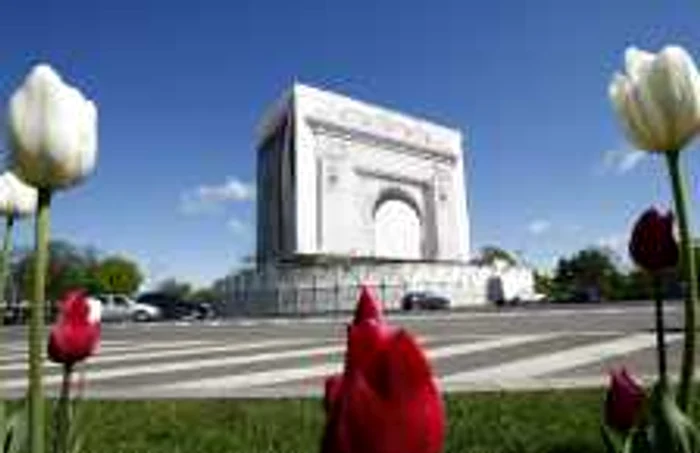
(332, 391)
(356, 424)
(634, 126)
(637, 63)
(647, 123)
(367, 306)
(365, 341)
(645, 108)
(676, 72)
(403, 368)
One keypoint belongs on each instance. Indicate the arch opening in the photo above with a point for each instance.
(397, 229)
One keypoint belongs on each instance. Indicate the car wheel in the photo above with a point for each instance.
(141, 316)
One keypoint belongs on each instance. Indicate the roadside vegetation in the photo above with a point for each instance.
(506, 422)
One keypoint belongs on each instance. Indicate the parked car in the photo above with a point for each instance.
(172, 307)
(118, 307)
(17, 312)
(425, 300)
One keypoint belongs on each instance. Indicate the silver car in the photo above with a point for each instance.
(118, 307)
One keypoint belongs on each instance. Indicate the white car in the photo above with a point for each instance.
(118, 307)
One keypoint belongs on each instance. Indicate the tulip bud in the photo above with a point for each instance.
(53, 131)
(652, 245)
(624, 401)
(368, 308)
(386, 400)
(658, 100)
(76, 334)
(16, 198)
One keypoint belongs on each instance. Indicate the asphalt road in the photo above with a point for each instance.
(484, 349)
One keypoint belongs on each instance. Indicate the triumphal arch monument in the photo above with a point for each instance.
(347, 192)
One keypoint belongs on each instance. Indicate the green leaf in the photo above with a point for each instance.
(611, 440)
(638, 442)
(16, 438)
(3, 423)
(672, 430)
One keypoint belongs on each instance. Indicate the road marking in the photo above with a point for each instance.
(281, 375)
(486, 345)
(21, 345)
(170, 353)
(141, 370)
(149, 345)
(557, 361)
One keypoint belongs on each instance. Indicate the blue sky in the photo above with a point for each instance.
(181, 85)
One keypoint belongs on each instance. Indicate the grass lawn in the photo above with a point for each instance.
(523, 422)
(545, 422)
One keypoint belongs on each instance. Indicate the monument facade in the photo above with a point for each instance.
(349, 191)
(341, 177)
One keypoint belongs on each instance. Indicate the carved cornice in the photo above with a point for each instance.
(391, 176)
(376, 138)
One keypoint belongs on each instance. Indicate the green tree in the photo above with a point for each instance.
(489, 254)
(544, 284)
(203, 295)
(70, 267)
(591, 270)
(117, 274)
(175, 288)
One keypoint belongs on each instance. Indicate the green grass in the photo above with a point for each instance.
(527, 422)
(543, 422)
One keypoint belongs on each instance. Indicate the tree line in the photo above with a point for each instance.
(74, 267)
(597, 273)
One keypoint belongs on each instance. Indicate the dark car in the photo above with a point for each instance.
(173, 308)
(424, 300)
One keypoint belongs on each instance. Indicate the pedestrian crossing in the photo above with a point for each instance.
(297, 366)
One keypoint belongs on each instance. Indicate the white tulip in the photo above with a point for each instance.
(53, 131)
(16, 198)
(658, 100)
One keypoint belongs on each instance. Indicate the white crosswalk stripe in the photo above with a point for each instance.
(561, 360)
(220, 366)
(145, 352)
(122, 347)
(291, 374)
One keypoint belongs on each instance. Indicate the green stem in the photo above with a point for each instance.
(680, 197)
(5, 263)
(5, 258)
(60, 440)
(36, 324)
(660, 341)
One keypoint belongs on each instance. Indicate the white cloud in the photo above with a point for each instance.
(238, 226)
(622, 161)
(208, 198)
(615, 242)
(538, 227)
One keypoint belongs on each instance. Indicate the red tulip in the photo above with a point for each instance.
(624, 401)
(332, 390)
(77, 333)
(368, 308)
(386, 400)
(652, 245)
